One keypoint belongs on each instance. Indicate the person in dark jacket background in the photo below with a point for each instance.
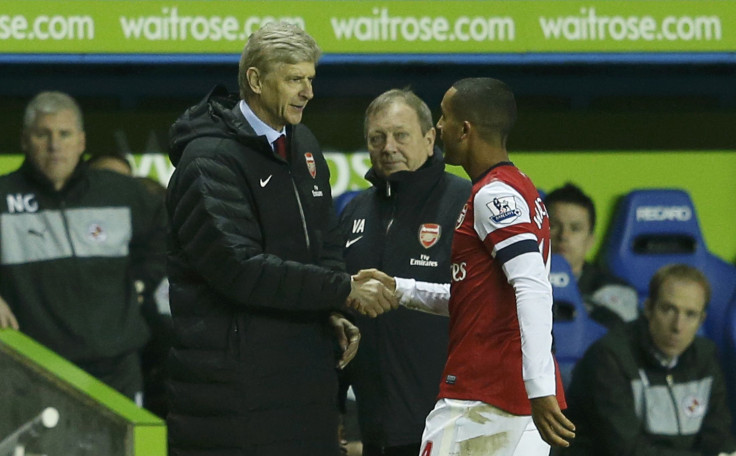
(255, 266)
(653, 387)
(608, 299)
(73, 242)
(403, 226)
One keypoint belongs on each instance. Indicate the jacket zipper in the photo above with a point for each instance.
(301, 213)
(62, 210)
(670, 383)
(390, 220)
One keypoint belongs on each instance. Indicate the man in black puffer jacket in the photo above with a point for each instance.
(255, 266)
(403, 226)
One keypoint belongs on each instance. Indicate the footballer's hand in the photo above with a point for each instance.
(370, 297)
(348, 337)
(553, 426)
(387, 281)
(7, 318)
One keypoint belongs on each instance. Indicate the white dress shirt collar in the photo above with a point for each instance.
(259, 126)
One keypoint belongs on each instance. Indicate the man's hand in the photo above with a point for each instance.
(7, 319)
(348, 336)
(387, 281)
(553, 426)
(370, 297)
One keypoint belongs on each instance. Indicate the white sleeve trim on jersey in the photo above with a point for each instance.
(498, 205)
(423, 296)
(528, 275)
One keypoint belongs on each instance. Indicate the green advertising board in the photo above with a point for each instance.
(367, 27)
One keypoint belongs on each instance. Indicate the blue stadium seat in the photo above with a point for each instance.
(342, 200)
(728, 356)
(573, 329)
(656, 227)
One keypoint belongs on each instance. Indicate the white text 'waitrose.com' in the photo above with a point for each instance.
(380, 26)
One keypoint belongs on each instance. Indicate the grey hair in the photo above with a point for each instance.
(274, 43)
(51, 103)
(405, 96)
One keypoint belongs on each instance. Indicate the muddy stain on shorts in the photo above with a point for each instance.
(480, 414)
(484, 445)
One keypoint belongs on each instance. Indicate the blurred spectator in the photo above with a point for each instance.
(112, 162)
(403, 226)
(73, 242)
(652, 387)
(156, 311)
(154, 300)
(608, 299)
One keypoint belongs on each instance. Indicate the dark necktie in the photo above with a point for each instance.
(279, 146)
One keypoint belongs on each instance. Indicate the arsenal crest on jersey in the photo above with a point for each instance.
(311, 165)
(429, 234)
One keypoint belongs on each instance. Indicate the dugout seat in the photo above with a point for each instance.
(728, 356)
(655, 227)
(573, 329)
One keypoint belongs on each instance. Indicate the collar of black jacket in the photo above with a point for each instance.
(414, 181)
(33, 174)
(653, 355)
(216, 115)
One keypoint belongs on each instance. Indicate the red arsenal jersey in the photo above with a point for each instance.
(501, 337)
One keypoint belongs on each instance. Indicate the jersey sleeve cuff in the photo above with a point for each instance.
(545, 385)
(404, 290)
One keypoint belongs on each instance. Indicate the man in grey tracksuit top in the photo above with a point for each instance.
(652, 387)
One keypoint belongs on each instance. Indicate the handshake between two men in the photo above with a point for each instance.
(372, 293)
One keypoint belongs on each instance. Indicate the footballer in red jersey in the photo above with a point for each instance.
(501, 392)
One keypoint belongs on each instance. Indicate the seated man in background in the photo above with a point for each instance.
(403, 226)
(608, 299)
(112, 162)
(652, 387)
(73, 242)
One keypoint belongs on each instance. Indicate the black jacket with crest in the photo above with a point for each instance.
(403, 226)
(255, 267)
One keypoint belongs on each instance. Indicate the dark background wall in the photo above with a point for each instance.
(564, 107)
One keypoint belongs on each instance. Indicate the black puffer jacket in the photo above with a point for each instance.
(255, 269)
